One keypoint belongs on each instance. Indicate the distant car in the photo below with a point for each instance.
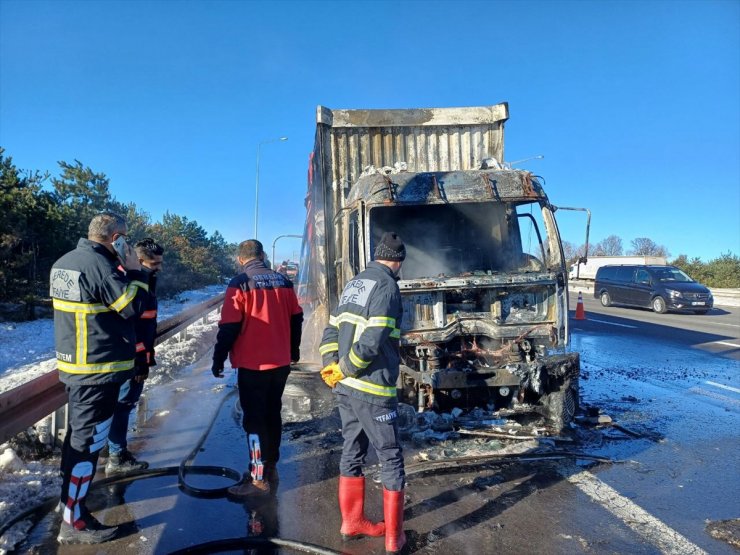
(289, 270)
(661, 288)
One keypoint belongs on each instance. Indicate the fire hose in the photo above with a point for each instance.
(37, 512)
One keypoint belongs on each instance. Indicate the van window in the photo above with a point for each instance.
(625, 273)
(642, 276)
(671, 274)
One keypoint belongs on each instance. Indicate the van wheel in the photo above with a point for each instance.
(605, 299)
(659, 305)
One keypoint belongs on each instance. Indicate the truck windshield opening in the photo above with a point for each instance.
(456, 239)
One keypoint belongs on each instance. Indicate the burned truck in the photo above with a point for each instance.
(484, 284)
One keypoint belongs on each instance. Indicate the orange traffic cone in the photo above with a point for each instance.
(580, 313)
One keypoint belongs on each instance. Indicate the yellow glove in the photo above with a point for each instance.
(331, 374)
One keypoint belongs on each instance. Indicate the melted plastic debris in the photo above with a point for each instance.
(726, 530)
(398, 167)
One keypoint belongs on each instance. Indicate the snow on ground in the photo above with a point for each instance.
(25, 349)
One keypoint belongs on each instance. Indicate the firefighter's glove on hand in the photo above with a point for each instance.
(218, 369)
(331, 374)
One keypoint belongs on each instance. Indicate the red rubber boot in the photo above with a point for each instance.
(352, 505)
(395, 539)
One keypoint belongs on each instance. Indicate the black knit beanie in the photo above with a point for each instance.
(391, 248)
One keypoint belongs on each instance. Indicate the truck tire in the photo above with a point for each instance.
(659, 305)
(605, 298)
(561, 404)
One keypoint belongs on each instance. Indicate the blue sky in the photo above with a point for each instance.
(634, 105)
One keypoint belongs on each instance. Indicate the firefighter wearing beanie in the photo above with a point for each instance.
(359, 350)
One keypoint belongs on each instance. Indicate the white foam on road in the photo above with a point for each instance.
(658, 533)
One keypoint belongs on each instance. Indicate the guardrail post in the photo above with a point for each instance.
(59, 423)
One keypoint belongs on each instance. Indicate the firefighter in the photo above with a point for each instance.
(120, 459)
(260, 331)
(95, 307)
(359, 351)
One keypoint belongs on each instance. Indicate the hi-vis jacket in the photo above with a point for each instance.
(95, 306)
(363, 336)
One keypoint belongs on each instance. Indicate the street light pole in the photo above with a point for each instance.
(276, 240)
(257, 181)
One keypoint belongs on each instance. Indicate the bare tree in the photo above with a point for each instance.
(581, 251)
(611, 246)
(644, 246)
(569, 252)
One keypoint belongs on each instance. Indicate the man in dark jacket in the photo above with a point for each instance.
(120, 459)
(95, 307)
(361, 361)
(260, 332)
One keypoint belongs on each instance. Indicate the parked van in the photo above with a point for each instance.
(661, 288)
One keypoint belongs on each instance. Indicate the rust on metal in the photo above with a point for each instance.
(527, 185)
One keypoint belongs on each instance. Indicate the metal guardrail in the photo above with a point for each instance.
(32, 401)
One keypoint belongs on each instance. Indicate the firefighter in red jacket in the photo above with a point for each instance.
(260, 332)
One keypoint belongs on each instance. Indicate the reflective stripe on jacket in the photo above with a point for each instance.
(363, 336)
(95, 306)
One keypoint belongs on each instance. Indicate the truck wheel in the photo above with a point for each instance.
(605, 299)
(561, 404)
(659, 305)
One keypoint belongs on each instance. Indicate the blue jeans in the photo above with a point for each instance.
(127, 399)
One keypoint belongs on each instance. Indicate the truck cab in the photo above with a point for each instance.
(484, 283)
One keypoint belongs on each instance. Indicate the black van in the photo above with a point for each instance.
(661, 288)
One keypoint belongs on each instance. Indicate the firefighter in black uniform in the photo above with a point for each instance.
(360, 354)
(120, 459)
(95, 306)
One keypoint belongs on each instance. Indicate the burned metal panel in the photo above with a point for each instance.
(448, 187)
(524, 305)
(414, 117)
(435, 139)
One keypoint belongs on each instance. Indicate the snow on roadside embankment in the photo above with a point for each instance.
(24, 484)
(27, 348)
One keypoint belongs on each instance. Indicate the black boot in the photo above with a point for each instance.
(92, 531)
(123, 462)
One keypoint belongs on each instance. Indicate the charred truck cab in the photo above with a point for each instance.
(484, 284)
